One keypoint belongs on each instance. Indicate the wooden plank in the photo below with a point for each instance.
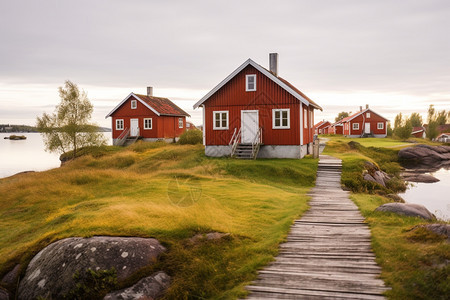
(328, 252)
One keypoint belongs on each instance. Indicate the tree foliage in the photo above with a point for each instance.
(416, 120)
(341, 115)
(402, 127)
(432, 130)
(68, 128)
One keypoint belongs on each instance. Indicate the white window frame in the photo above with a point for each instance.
(120, 121)
(281, 110)
(180, 123)
(145, 125)
(220, 112)
(247, 89)
(368, 115)
(305, 118)
(380, 127)
(133, 104)
(355, 126)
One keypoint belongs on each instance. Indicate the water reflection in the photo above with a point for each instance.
(434, 196)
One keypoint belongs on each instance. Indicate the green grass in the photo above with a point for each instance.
(170, 192)
(414, 261)
(383, 142)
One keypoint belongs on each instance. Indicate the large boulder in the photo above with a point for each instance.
(4, 295)
(374, 174)
(425, 153)
(148, 288)
(50, 274)
(418, 177)
(407, 209)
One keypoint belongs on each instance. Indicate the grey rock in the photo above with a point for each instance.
(11, 277)
(407, 209)
(425, 153)
(4, 295)
(396, 198)
(148, 288)
(379, 177)
(442, 229)
(417, 177)
(50, 272)
(208, 236)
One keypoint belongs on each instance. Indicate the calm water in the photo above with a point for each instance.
(26, 155)
(434, 196)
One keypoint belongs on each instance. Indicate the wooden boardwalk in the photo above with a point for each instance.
(328, 253)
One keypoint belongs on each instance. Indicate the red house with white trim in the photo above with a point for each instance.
(336, 128)
(323, 127)
(148, 118)
(254, 111)
(365, 123)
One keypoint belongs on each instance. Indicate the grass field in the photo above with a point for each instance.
(170, 192)
(382, 142)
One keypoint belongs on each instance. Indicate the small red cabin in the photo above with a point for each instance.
(253, 109)
(148, 118)
(364, 123)
(337, 128)
(323, 127)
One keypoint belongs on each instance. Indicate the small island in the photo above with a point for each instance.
(15, 137)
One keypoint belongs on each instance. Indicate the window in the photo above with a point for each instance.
(368, 115)
(119, 124)
(355, 126)
(180, 123)
(250, 83)
(148, 123)
(280, 118)
(220, 120)
(305, 119)
(133, 104)
(380, 125)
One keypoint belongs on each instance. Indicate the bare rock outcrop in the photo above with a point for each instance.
(425, 153)
(407, 209)
(374, 174)
(50, 274)
(148, 288)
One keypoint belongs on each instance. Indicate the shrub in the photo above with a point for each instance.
(191, 137)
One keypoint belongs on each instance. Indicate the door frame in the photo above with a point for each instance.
(137, 127)
(242, 122)
(366, 126)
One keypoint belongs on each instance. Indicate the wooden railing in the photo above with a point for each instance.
(257, 141)
(235, 139)
(123, 137)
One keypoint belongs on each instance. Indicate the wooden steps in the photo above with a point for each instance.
(328, 252)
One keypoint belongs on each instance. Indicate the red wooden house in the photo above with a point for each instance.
(255, 113)
(148, 118)
(418, 132)
(323, 127)
(336, 128)
(364, 123)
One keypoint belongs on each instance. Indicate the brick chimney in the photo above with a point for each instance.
(360, 108)
(273, 63)
(150, 91)
(367, 106)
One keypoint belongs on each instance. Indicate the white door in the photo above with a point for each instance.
(367, 128)
(134, 127)
(249, 125)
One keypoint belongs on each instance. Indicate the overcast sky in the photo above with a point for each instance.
(392, 55)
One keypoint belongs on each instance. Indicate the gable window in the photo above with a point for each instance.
(148, 123)
(368, 115)
(380, 125)
(220, 120)
(180, 122)
(281, 118)
(119, 124)
(355, 126)
(250, 83)
(133, 104)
